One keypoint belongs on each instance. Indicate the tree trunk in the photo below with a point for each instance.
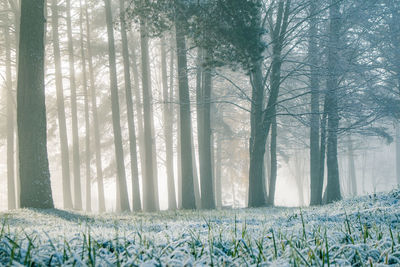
(316, 182)
(11, 185)
(188, 198)
(149, 200)
(168, 128)
(87, 121)
(197, 194)
(322, 154)
(96, 130)
(352, 169)
(62, 121)
(136, 202)
(139, 109)
(257, 141)
(31, 109)
(16, 9)
(267, 169)
(398, 152)
(74, 112)
(119, 153)
(204, 136)
(333, 186)
(274, 163)
(218, 169)
(261, 118)
(179, 155)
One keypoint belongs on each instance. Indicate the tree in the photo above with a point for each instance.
(87, 120)
(11, 184)
(261, 118)
(31, 109)
(316, 180)
(149, 202)
(274, 164)
(99, 168)
(332, 83)
(204, 133)
(122, 198)
(62, 120)
(136, 203)
(188, 199)
(74, 113)
(168, 124)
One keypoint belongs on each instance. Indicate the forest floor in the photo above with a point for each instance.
(364, 231)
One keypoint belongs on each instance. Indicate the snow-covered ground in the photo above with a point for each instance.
(358, 232)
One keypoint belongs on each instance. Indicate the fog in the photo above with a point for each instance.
(312, 67)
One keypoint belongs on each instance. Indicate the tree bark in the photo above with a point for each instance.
(96, 130)
(351, 167)
(316, 182)
(188, 198)
(398, 152)
(204, 136)
(168, 127)
(149, 202)
(139, 108)
(258, 138)
(119, 153)
(274, 163)
(218, 170)
(11, 183)
(196, 185)
(136, 202)
(62, 120)
(333, 186)
(31, 109)
(74, 112)
(87, 120)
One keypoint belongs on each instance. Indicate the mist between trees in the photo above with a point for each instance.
(137, 105)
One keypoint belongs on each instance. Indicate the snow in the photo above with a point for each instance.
(363, 230)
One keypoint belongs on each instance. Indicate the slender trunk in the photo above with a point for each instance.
(16, 8)
(200, 123)
(267, 169)
(31, 109)
(218, 169)
(149, 201)
(11, 185)
(197, 194)
(333, 186)
(322, 156)
(397, 127)
(136, 202)
(154, 148)
(74, 112)
(87, 121)
(274, 163)
(168, 127)
(62, 121)
(315, 178)
(96, 130)
(179, 155)
(119, 153)
(139, 108)
(188, 198)
(204, 135)
(352, 169)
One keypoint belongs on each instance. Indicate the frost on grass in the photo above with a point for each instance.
(358, 232)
